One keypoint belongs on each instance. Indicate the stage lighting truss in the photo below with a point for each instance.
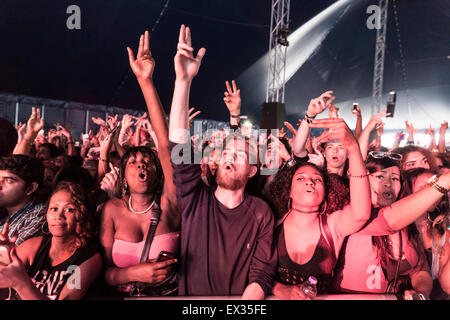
(378, 72)
(279, 30)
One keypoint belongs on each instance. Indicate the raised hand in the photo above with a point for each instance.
(399, 136)
(35, 123)
(186, 65)
(144, 64)
(337, 130)
(409, 128)
(333, 112)
(192, 115)
(109, 182)
(380, 129)
(443, 127)
(430, 131)
(99, 121)
(127, 122)
(376, 120)
(318, 105)
(52, 133)
(232, 98)
(112, 122)
(317, 157)
(290, 128)
(21, 129)
(276, 144)
(357, 112)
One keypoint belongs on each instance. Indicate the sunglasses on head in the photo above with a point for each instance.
(382, 154)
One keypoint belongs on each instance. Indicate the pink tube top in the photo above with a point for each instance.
(126, 254)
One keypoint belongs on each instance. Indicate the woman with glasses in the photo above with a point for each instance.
(62, 264)
(383, 257)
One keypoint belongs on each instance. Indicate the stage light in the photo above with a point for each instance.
(282, 37)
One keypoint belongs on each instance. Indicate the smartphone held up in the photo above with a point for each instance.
(390, 109)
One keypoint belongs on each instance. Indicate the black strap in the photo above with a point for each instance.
(156, 213)
(392, 286)
(326, 229)
(400, 254)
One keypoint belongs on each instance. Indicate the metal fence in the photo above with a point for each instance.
(74, 116)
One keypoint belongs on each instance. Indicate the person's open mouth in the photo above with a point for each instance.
(229, 167)
(310, 190)
(142, 176)
(388, 195)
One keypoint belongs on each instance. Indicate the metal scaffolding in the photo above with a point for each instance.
(278, 50)
(377, 90)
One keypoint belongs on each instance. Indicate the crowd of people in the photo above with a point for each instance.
(132, 210)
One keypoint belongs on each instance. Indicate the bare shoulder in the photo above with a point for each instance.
(28, 249)
(112, 207)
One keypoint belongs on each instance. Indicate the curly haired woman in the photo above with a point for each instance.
(63, 263)
(308, 240)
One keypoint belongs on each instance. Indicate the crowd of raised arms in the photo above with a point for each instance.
(131, 211)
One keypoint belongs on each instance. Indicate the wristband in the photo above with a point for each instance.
(438, 187)
(357, 176)
(235, 115)
(308, 118)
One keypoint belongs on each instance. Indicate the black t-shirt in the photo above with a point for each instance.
(49, 279)
(222, 250)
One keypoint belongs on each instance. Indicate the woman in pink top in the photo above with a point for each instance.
(146, 177)
(371, 260)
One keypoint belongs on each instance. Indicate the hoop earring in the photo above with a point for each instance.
(42, 228)
(324, 208)
(124, 188)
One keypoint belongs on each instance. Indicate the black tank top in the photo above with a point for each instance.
(51, 279)
(321, 265)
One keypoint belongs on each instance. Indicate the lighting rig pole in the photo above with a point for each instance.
(274, 109)
(378, 71)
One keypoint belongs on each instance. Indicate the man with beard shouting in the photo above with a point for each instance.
(226, 235)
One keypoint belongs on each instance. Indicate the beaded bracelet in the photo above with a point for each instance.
(358, 176)
(438, 187)
(308, 118)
